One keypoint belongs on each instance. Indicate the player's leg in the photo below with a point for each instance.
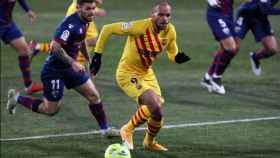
(263, 33)
(133, 87)
(269, 49)
(43, 106)
(83, 85)
(140, 88)
(17, 41)
(223, 31)
(49, 105)
(155, 121)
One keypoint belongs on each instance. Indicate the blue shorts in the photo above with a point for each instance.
(260, 27)
(222, 27)
(54, 80)
(10, 32)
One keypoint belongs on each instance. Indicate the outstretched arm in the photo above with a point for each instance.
(121, 28)
(27, 9)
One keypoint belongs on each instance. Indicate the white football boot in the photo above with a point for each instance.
(255, 64)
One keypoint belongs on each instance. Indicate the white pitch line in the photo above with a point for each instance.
(140, 129)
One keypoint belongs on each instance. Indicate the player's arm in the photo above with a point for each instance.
(121, 28)
(267, 8)
(172, 49)
(59, 53)
(27, 9)
(175, 55)
(62, 37)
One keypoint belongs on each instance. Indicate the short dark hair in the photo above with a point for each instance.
(163, 2)
(81, 2)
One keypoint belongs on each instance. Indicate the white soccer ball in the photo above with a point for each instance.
(117, 151)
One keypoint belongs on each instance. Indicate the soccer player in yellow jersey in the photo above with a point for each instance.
(146, 41)
(91, 35)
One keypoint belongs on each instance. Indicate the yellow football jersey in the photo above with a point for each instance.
(143, 44)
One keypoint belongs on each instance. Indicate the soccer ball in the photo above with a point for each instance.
(117, 151)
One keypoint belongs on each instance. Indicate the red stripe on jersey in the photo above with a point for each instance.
(145, 49)
(158, 42)
(141, 57)
(150, 40)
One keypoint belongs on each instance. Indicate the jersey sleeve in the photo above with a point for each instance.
(63, 33)
(172, 48)
(121, 28)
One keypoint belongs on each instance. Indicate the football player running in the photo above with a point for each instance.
(253, 15)
(146, 40)
(61, 69)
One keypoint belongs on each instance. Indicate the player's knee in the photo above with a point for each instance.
(156, 110)
(233, 49)
(273, 50)
(94, 98)
(23, 51)
(157, 113)
(53, 112)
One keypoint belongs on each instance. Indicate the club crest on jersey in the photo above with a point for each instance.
(64, 36)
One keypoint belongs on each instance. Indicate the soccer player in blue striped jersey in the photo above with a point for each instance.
(10, 34)
(62, 69)
(253, 15)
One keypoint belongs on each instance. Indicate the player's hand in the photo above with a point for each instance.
(32, 16)
(181, 57)
(100, 12)
(78, 67)
(95, 64)
(98, 2)
(214, 3)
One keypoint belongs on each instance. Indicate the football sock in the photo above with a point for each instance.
(90, 48)
(223, 62)
(153, 128)
(139, 118)
(44, 47)
(262, 54)
(98, 112)
(211, 69)
(24, 65)
(30, 103)
(81, 59)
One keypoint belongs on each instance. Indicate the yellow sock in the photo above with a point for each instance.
(44, 47)
(139, 118)
(153, 128)
(81, 59)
